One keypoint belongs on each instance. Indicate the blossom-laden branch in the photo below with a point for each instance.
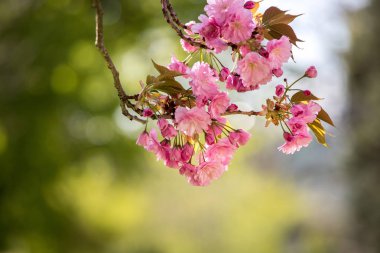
(195, 136)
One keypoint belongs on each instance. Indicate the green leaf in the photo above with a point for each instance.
(319, 131)
(324, 116)
(301, 97)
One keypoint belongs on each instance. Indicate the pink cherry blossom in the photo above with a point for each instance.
(191, 121)
(239, 137)
(280, 90)
(210, 31)
(221, 152)
(295, 143)
(244, 50)
(306, 112)
(178, 66)
(187, 47)
(203, 81)
(173, 158)
(167, 130)
(221, 9)
(254, 70)
(279, 51)
(143, 139)
(188, 170)
(238, 27)
(311, 72)
(219, 104)
(207, 172)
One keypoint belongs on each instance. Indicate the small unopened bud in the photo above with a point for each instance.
(148, 113)
(311, 72)
(232, 108)
(224, 73)
(249, 5)
(307, 92)
(277, 72)
(264, 53)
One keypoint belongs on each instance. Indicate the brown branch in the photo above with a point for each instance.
(250, 113)
(173, 21)
(99, 42)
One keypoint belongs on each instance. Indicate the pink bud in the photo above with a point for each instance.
(148, 112)
(232, 108)
(288, 137)
(280, 90)
(307, 92)
(311, 72)
(249, 5)
(244, 50)
(224, 74)
(187, 152)
(277, 72)
(263, 52)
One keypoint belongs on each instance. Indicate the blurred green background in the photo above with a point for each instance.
(73, 180)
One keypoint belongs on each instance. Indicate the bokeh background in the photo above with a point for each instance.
(73, 180)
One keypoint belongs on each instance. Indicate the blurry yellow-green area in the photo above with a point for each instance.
(72, 179)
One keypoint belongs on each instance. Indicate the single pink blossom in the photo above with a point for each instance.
(207, 172)
(298, 126)
(280, 90)
(187, 47)
(143, 139)
(203, 80)
(219, 104)
(173, 158)
(188, 170)
(244, 50)
(306, 112)
(239, 137)
(221, 9)
(191, 121)
(238, 27)
(279, 51)
(222, 151)
(295, 143)
(178, 66)
(167, 130)
(254, 70)
(311, 72)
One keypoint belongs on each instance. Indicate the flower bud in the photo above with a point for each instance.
(224, 74)
(249, 5)
(277, 72)
(311, 72)
(280, 90)
(148, 113)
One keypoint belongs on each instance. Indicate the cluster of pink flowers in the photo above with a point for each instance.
(194, 135)
(302, 114)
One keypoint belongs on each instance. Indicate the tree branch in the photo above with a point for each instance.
(99, 42)
(173, 21)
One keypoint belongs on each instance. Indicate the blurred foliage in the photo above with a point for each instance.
(71, 177)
